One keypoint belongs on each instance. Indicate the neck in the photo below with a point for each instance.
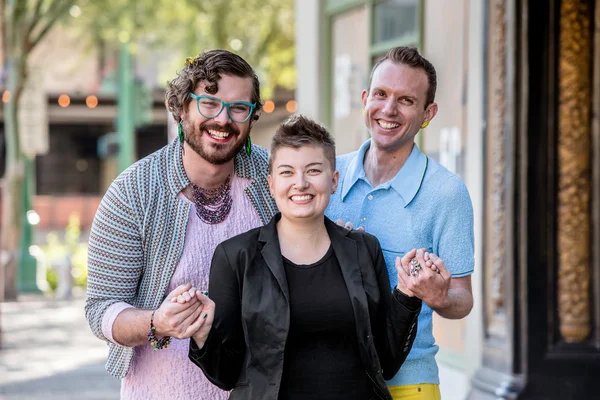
(301, 233)
(383, 165)
(203, 173)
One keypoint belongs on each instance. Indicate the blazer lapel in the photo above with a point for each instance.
(346, 251)
(271, 253)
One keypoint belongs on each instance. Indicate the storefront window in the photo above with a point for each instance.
(396, 20)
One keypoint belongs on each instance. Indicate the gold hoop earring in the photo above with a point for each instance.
(424, 124)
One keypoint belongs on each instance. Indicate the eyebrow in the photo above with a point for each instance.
(307, 165)
(408, 96)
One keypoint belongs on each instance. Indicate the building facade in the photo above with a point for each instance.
(74, 90)
(518, 95)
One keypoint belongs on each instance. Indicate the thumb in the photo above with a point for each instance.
(179, 290)
(404, 262)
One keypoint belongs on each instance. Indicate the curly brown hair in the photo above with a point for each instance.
(208, 67)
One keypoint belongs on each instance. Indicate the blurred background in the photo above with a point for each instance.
(82, 84)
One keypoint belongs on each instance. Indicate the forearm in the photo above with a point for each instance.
(458, 304)
(395, 335)
(131, 327)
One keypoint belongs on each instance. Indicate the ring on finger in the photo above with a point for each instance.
(415, 267)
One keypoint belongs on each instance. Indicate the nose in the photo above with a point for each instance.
(223, 117)
(301, 182)
(390, 107)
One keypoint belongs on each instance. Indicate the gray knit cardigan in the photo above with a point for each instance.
(138, 235)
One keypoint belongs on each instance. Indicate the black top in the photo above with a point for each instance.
(321, 361)
(246, 347)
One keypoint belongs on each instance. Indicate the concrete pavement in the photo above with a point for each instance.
(49, 352)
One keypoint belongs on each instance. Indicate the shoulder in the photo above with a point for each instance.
(143, 168)
(369, 240)
(343, 161)
(259, 158)
(139, 175)
(253, 166)
(260, 155)
(241, 242)
(446, 185)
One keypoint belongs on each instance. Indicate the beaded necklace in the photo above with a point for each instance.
(213, 205)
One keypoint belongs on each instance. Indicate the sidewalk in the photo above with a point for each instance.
(49, 352)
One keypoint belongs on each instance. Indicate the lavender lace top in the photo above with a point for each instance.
(168, 373)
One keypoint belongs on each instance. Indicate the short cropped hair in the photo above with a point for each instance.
(298, 131)
(410, 57)
(208, 67)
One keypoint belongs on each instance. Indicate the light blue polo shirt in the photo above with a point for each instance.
(423, 206)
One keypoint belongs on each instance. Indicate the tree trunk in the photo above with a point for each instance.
(13, 181)
(11, 227)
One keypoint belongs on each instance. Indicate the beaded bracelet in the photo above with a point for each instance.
(156, 343)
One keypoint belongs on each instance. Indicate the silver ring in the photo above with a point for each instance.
(415, 267)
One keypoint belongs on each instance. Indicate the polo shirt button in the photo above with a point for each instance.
(363, 219)
(370, 197)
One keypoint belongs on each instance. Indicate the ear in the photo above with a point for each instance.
(252, 120)
(270, 179)
(334, 181)
(364, 96)
(431, 111)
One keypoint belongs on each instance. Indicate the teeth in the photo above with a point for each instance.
(218, 134)
(387, 125)
(302, 198)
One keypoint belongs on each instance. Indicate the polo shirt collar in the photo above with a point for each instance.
(355, 170)
(407, 181)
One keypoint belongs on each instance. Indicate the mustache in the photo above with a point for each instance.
(226, 128)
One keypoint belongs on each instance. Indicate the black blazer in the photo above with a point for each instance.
(245, 348)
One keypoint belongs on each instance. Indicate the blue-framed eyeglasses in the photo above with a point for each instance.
(211, 107)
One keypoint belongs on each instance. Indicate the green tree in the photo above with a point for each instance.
(261, 31)
(25, 23)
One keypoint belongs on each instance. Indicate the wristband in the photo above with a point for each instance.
(156, 343)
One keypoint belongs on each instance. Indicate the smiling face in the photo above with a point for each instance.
(302, 181)
(395, 105)
(218, 139)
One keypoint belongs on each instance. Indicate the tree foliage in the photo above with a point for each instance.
(261, 31)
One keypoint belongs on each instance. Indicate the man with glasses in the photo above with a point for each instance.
(157, 226)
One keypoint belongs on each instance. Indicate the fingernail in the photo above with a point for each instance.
(204, 316)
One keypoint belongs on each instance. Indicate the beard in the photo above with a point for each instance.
(214, 153)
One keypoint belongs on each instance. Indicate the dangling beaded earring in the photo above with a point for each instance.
(180, 132)
(181, 138)
(248, 146)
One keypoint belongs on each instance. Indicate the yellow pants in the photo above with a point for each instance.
(424, 391)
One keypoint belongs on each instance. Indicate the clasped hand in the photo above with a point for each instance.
(430, 283)
(186, 312)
